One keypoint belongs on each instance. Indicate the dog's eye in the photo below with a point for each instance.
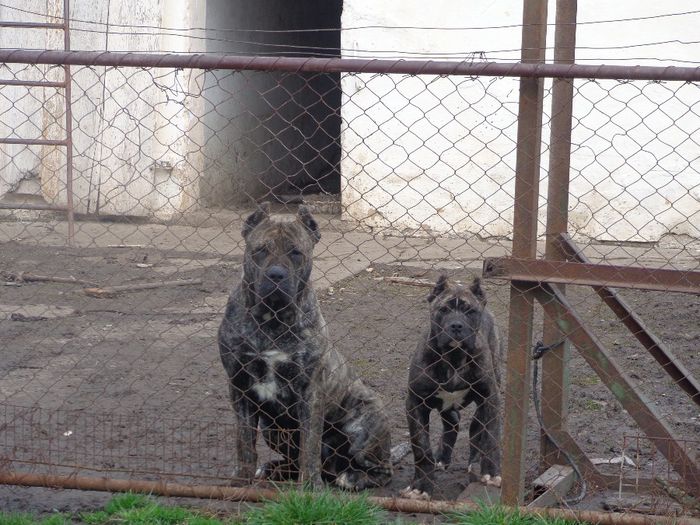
(295, 253)
(260, 252)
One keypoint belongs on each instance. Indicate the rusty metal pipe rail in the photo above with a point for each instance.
(349, 65)
(253, 495)
(32, 83)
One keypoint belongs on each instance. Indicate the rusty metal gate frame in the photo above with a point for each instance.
(543, 280)
(67, 142)
(536, 280)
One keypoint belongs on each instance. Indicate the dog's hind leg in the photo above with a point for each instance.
(418, 417)
(246, 435)
(450, 429)
(369, 453)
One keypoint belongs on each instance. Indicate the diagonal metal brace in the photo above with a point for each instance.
(558, 308)
(658, 350)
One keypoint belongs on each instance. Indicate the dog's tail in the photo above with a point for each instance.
(400, 451)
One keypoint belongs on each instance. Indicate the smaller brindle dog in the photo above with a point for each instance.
(457, 363)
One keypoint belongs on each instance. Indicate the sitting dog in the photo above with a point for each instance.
(285, 378)
(457, 363)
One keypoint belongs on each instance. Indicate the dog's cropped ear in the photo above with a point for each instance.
(477, 290)
(440, 286)
(304, 215)
(259, 215)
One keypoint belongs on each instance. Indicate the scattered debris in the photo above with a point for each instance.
(126, 246)
(26, 318)
(144, 265)
(33, 312)
(26, 277)
(614, 461)
(407, 280)
(642, 504)
(112, 291)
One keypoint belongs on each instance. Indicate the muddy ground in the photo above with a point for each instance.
(132, 385)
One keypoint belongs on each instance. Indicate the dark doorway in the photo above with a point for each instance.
(272, 134)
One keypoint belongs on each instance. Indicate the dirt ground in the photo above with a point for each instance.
(132, 386)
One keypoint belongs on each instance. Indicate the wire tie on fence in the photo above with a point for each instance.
(540, 348)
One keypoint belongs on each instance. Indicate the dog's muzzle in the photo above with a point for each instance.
(275, 285)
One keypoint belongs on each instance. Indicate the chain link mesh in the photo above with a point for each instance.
(408, 178)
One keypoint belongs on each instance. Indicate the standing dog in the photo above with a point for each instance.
(456, 363)
(283, 375)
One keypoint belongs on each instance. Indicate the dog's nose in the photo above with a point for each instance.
(276, 273)
(456, 326)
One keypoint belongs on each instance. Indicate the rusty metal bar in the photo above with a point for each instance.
(557, 307)
(32, 83)
(168, 489)
(555, 378)
(31, 25)
(69, 127)
(527, 174)
(33, 142)
(659, 351)
(538, 270)
(524, 69)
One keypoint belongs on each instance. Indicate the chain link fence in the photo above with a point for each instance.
(111, 364)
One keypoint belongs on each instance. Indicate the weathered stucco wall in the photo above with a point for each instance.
(439, 154)
(127, 122)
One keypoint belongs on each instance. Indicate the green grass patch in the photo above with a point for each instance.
(326, 507)
(295, 507)
(136, 509)
(592, 405)
(498, 515)
(21, 518)
(586, 380)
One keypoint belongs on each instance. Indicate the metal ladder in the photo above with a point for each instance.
(66, 142)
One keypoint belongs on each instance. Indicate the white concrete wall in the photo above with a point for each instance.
(128, 123)
(439, 154)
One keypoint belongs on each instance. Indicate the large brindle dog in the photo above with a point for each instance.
(457, 363)
(285, 377)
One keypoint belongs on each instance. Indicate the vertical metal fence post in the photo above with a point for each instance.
(527, 173)
(69, 127)
(555, 379)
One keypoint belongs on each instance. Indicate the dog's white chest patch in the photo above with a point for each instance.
(451, 399)
(267, 389)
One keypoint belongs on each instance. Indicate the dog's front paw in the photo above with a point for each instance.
(411, 492)
(489, 481)
(421, 488)
(348, 481)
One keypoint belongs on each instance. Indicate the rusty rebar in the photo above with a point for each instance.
(256, 495)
